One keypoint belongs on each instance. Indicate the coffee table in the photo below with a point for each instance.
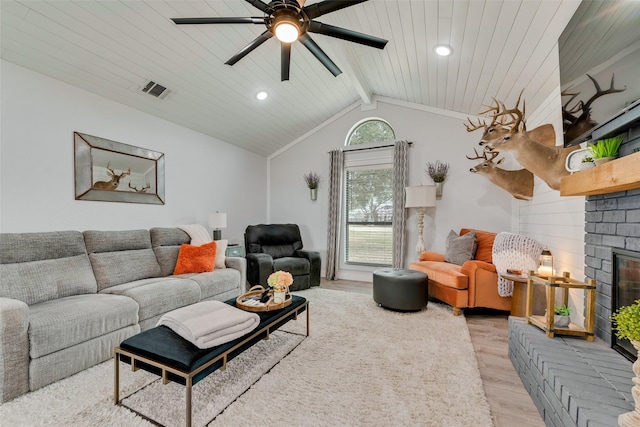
(163, 352)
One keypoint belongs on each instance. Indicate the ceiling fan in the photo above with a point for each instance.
(288, 21)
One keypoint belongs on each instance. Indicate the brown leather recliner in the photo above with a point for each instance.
(473, 284)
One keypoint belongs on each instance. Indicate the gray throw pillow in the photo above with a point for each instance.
(460, 248)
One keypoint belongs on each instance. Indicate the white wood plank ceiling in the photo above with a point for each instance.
(112, 48)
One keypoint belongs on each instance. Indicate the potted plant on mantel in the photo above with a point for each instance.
(561, 316)
(626, 325)
(605, 150)
(438, 173)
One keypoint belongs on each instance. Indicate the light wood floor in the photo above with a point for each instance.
(510, 403)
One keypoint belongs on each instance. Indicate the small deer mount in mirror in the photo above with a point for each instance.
(111, 171)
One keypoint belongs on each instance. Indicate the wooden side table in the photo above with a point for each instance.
(519, 296)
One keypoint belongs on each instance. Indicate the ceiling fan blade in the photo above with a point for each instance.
(219, 20)
(285, 61)
(344, 34)
(319, 53)
(259, 4)
(251, 46)
(328, 6)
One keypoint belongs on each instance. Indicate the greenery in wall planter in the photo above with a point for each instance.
(438, 173)
(312, 180)
(605, 149)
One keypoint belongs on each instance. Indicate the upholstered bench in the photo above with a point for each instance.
(400, 289)
(165, 353)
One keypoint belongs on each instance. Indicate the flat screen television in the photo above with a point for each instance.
(599, 54)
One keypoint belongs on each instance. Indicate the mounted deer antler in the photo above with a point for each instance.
(535, 150)
(518, 183)
(142, 190)
(575, 125)
(475, 126)
(114, 182)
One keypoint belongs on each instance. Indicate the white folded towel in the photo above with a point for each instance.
(210, 323)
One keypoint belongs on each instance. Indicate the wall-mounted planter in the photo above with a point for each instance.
(313, 193)
(439, 186)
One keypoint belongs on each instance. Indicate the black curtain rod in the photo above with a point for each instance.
(373, 148)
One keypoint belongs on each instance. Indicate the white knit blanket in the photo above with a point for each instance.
(514, 251)
(210, 323)
(199, 235)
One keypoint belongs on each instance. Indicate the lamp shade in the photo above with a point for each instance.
(218, 220)
(420, 196)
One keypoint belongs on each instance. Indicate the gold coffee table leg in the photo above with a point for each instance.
(116, 379)
(188, 402)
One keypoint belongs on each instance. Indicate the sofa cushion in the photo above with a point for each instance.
(166, 245)
(445, 273)
(64, 322)
(196, 259)
(295, 266)
(158, 295)
(115, 268)
(55, 264)
(121, 256)
(114, 241)
(218, 282)
(25, 247)
(460, 248)
(221, 249)
(485, 244)
(38, 281)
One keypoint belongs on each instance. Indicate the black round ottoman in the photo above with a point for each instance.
(400, 289)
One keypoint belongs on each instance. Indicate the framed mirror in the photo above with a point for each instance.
(111, 171)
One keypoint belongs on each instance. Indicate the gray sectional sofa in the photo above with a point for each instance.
(68, 298)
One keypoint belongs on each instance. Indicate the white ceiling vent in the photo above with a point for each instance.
(155, 89)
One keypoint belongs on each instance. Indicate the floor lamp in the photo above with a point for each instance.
(420, 197)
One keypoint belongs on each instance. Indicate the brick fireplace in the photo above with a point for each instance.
(612, 221)
(571, 381)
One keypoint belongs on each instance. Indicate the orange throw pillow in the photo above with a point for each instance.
(196, 259)
(485, 244)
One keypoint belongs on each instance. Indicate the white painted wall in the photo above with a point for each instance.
(468, 201)
(555, 221)
(39, 116)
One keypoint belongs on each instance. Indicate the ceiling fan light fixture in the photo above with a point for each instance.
(442, 50)
(286, 28)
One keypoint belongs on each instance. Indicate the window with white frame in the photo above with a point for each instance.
(368, 190)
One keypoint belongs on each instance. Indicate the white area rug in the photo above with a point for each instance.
(362, 365)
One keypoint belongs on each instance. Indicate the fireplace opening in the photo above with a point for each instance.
(626, 290)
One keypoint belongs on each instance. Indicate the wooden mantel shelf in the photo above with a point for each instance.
(617, 175)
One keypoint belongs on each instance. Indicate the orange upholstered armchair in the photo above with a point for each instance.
(472, 284)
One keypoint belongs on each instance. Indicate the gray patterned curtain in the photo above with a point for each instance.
(336, 162)
(399, 215)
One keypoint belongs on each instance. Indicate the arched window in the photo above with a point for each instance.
(370, 130)
(368, 190)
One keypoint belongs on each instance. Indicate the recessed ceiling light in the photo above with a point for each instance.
(443, 50)
(262, 95)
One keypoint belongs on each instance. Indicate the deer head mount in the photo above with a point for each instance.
(576, 120)
(518, 183)
(535, 150)
(114, 182)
